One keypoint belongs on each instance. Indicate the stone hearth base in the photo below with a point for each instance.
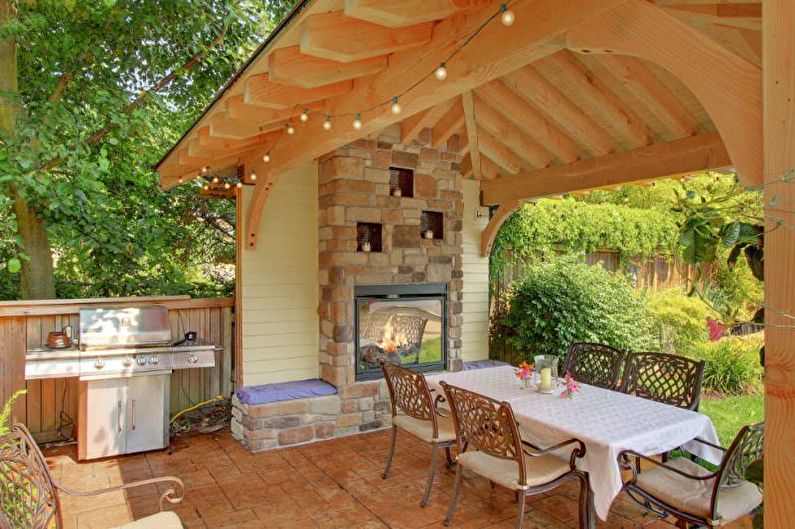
(357, 408)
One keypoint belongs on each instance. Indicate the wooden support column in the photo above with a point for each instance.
(778, 18)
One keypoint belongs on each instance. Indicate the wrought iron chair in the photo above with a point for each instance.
(595, 364)
(667, 378)
(414, 411)
(490, 445)
(692, 493)
(30, 495)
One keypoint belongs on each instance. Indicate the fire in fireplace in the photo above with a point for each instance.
(402, 324)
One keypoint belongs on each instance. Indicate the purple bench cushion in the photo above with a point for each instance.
(299, 389)
(480, 364)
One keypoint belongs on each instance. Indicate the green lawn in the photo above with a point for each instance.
(732, 413)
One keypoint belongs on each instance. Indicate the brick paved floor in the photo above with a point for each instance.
(332, 484)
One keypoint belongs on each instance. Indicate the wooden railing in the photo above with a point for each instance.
(51, 404)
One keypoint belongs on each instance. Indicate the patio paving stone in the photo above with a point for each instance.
(333, 484)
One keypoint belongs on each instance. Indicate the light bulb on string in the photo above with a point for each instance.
(304, 117)
(180, 179)
(396, 108)
(327, 123)
(239, 185)
(206, 187)
(357, 122)
(252, 176)
(266, 157)
(290, 129)
(205, 169)
(508, 17)
(215, 180)
(441, 72)
(227, 185)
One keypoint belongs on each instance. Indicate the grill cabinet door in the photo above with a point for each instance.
(103, 409)
(147, 415)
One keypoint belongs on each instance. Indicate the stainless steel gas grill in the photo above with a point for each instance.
(124, 360)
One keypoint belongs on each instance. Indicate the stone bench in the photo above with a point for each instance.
(284, 414)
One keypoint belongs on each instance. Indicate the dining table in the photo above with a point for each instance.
(607, 421)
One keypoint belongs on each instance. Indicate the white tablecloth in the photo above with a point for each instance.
(606, 421)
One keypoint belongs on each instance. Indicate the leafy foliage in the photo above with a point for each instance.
(104, 89)
(732, 364)
(565, 301)
(5, 413)
(679, 321)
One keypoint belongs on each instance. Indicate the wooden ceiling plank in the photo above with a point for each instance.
(745, 16)
(498, 152)
(520, 143)
(600, 99)
(463, 140)
(468, 103)
(642, 82)
(448, 125)
(402, 13)
(488, 169)
(291, 67)
(259, 91)
(695, 153)
(411, 126)
(517, 110)
(466, 167)
(547, 98)
(338, 37)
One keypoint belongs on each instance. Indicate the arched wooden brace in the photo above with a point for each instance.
(729, 87)
(489, 233)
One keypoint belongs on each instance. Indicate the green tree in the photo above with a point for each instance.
(91, 94)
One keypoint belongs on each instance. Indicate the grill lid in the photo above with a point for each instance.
(124, 327)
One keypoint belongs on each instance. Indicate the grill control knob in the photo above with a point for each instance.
(127, 362)
(154, 360)
(193, 359)
(99, 363)
(140, 360)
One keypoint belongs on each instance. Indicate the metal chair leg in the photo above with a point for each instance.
(459, 473)
(520, 518)
(391, 453)
(450, 462)
(584, 490)
(431, 475)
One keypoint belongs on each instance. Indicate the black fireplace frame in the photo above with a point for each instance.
(415, 291)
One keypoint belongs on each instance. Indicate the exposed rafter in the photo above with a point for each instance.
(472, 134)
(291, 67)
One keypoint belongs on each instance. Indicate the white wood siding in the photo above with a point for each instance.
(280, 284)
(475, 336)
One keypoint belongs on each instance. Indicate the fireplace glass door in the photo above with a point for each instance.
(408, 330)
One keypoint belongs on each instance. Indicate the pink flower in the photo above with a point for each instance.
(525, 371)
(571, 386)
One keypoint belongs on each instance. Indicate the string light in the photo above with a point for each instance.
(180, 179)
(252, 176)
(239, 185)
(508, 17)
(304, 117)
(215, 180)
(205, 169)
(327, 123)
(441, 72)
(266, 157)
(357, 122)
(396, 108)
(206, 187)
(227, 185)
(290, 129)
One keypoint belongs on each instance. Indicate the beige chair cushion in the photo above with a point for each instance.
(693, 496)
(161, 520)
(540, 470)
(424, 429)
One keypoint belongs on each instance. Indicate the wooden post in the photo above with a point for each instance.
(778, 22)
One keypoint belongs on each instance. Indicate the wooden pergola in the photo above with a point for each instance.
(575, 95)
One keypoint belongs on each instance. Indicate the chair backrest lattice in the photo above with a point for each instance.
(595, 364)
(27, 491)
(487, 425)
(409, 393)
(746, 449)
(666, 378)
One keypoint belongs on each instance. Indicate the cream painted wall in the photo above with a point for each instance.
(475, 337)
(280, 284)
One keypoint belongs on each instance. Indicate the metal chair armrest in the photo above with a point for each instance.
(443, 412)
(172, 495)
(626, 463)
(712, 445)
(576, 453)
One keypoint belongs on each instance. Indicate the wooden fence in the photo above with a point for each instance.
(51, 404)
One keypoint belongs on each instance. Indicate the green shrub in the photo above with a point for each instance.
(732, 366)
(565, 301)
(679, 322)
(5, 413)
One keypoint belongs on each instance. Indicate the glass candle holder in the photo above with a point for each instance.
(547, 368)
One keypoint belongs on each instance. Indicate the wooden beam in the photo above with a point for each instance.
(552, 102)
(223, 127)
(468, 103)
(640, 80)
(338, 37)
(600, 100)
(466, 166)
(496, 221)
(448, 125)
(292, 67)
(508, 48)
(728, 87)
(488, 169)
(696, 153)
(499, 153)
(522, 114)
(520, 143)
(260, 91)
(404, 12)
(779, 158)
(411, 126)
(740, 15)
